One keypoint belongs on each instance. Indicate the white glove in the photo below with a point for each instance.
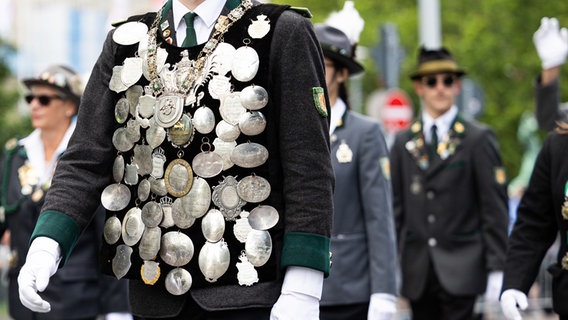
(494, 283)
(41, 263)
(381, 307)
(118, 316)
(551, 43)
(300, 295)
(510, 299)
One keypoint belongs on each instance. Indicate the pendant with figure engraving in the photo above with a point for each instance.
(207, 164)
(181, 133)
(129, 33)
(213, 225)
(258, 247)
(249, 155)
(193, 205)
(121, 141)
(219, 86)
(115, 197)
(263, 217)
(121, 110)
(223, 57)
(226, 198)
(152, 214)
(242, 227)
(143, 189)
(121, 261)
(178, 281)
(132, 226)
(150, 272)
(180, 215)
(169, 109)
(253, 189)
(247, 274)
(214, 259)
(245, 64)
(204, 120)
(155, 134)
(224, 149)
(115, 84)
(158, 186)
(231, 108)
(254, 97)
(131, 71)
(118, 168)
(150, 243)
(143, 159)
(252, 123)
(112, 230)
(226, 131)
(178, 177)
(176, 248)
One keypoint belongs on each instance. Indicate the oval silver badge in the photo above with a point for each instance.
(249, 155)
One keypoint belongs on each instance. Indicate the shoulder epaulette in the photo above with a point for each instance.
(302, 11)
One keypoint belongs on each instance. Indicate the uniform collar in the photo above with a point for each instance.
(443, 122)
(337, 112)
(208, 11)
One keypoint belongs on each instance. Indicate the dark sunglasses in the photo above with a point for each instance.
(432, 81)
(43, 99)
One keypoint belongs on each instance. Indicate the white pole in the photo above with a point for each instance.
(429, 24)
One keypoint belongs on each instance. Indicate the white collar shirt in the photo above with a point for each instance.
(207, 14)
(442, 123)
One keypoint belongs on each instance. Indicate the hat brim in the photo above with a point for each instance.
(417, 75)
(437, 66)
(352, 66)
(38, 82)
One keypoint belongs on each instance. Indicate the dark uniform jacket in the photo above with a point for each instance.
(78, 290)
(540, 220)
(298, 167)
(363, 240)
(450, 212)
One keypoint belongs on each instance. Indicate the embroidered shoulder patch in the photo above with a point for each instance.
(319, 100)
(500, 176)
(11, 144)
(385, 166)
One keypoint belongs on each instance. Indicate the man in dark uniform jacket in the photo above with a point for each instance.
(204, 130)
(450, 200)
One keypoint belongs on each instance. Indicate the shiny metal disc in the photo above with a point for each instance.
(150, 243)
(152, 214)
(158, 186)
(121, 140)
(213, 225)
(226, 198)
(231, 108)
(214, 259)
(146, 105)
(143, 190)
(143, 159)
(178, 177)
(253, 189)
(258, 247)
(169, 109)
(219, 86)
(207, 164)
(132, 226)
(252, 123)
(129, 33)
(121, 110)
(115, 84)
(111, 230)
(155, 134)
(118, 168)
(224, 149)
(223, 57)
(249, 155)
(263, 217)
(245, 64)
(131, 71)
(115, 197)
(226, 131)
(133, 95)
(176, 248)
(180, 215)
(204, 120)
(121, 261)
(195, 203)
(254, 97)
(178, 281)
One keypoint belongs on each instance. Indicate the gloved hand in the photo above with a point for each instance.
(494, 283)
(41, 263)
(300, 295)
(381, 307)
(510, 299)
(118, 316)
(551, 43)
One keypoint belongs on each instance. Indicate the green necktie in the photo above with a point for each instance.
(190, 37)
(434, 141)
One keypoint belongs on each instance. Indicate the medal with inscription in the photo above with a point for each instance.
(253, 189)
(178, 177)
(176, 248)
(112, 230)
(249, 155)
(247, 274)
(252, 123)
(258, 247)
(129, 33)
(213, 225)
(226, 198)
(150, 243)
(204, 120)
(150, 272)
(227, 132)
(254, 97)
(224, 149)
(121, 261)
(132, 226)
(214, 259)
(231, 108)
(207, 164)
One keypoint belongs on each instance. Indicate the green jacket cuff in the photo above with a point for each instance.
(306, 250)
(59, 227)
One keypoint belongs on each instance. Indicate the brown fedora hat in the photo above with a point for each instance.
(435, 61)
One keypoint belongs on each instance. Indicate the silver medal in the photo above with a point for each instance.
(242, 227)
(158, 161)
(194, 204)
(258, 247)
(224, 149)
(204, 120)
(132, 226)
(121, 140)
(121, 110)
(118, 168)
(245, 64)
(169, 109)
(247, 274)
(214, 259)
(167, 218)
(121, 261)
(112, 230)
(150, 272)
(146, 105)
(178, 281)
(133, 130)
(176, 248)
(213, 225)
(178, 177)
(253, 189)
(158, 186)
(150, 243)
(133, 95)
(219, 86)
(181, 133)
(223, 57)
(259, 27)
(131, 174)
(249, 155)
(115, 84)
(143, 190)
(115, 197)
(151, 214)
(254, 97)
(155, 134)
(263, 217)
(252, 123)
(207, 164)
(131, 71)
(129, 33)
(143, 159)
(226, 198)
(181, 216)
(226, 131)
(231, 108)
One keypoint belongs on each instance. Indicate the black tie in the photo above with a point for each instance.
(434, 141)
(190, 37)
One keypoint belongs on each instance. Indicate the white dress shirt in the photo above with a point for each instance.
(207, 14)
(443, 123)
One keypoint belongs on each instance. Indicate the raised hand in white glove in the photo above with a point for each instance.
(511, 301)
(494, 283)
(551, 43)
(381, 307)
(41, 263)
(118, 316)
(300, 295)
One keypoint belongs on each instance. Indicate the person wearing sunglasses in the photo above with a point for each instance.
(450, 199)
(80, 290)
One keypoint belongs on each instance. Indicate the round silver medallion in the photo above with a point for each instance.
(231, 108)
(169, 109)
(253, 189)
(176, 248)
(129, 33)
(158, 186)
(150, 243)
(182, 218)
(226, 131)
(258, 247)
(152, 214)
(132, 226)
(115, 197)
(224, 149)
(121, 140)
(213, 225)
(155, 134)
(121, 110)
(204, 120)
(143, 189)
(263, 217)
(214, 259)
(249, 155)
(254, 97)
(194, 204)
(178, 281)
(207, 164)
(223, 57)
(252, 123)
(245, 64)
(111, 230)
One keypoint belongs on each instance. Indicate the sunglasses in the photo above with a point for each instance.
(432, 81)
(44, 100)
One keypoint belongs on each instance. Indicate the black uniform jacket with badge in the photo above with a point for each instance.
(298, 167)
(450, 212)
(540, 220)
(79, 290)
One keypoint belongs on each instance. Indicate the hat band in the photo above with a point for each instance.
(437, 66)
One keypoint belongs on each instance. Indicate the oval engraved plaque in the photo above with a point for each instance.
(150, 243)
(249, 155)
(245, 64)
(254, 97)
(263, 217)
(252, 123)
(111, 230)
(258, 247)
(213, 225)
(207, 164)
(132, 226)
(253, 189)
(204, 120)
(176, 248)
(214, 259)
(178, 177)
(115, 197)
